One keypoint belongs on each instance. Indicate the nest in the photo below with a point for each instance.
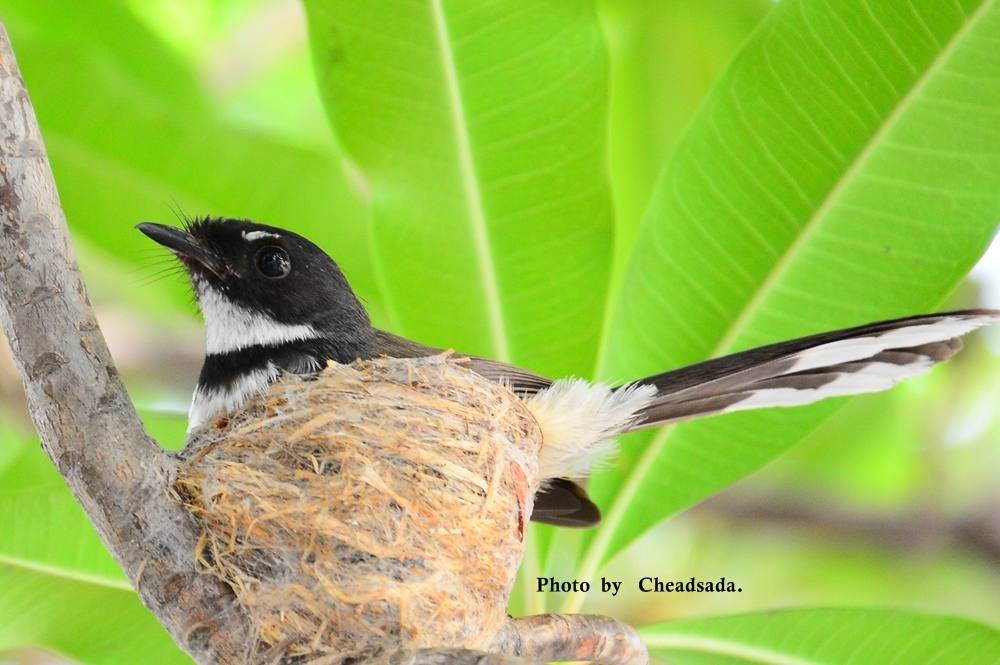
(378, 506)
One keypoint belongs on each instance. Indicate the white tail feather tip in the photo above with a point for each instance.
(862, 348)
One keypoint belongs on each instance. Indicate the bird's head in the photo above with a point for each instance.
(261, 285)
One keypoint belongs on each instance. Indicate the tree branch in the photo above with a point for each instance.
(561, 637)
(455, 657)
(77, 402)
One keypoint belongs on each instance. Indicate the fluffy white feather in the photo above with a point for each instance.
(579, 421)
(230, 327)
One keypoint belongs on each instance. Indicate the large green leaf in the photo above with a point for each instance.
(825, 637)
(665, 55)
(59, 588)
(91, 623)
(131, 137)
(480, 129)
(44, 528)
(846, 168)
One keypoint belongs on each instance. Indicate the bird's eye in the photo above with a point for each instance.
(273, 262)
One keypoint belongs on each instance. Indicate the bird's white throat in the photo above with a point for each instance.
(230, 327)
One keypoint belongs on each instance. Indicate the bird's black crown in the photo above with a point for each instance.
(266, 270)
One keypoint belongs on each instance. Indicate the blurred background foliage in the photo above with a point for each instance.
(153, 109)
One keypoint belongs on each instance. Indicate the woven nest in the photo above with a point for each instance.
(379, 506)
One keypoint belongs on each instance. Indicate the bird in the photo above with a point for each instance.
(274, 302)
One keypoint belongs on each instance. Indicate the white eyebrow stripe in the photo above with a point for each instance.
(257, 235)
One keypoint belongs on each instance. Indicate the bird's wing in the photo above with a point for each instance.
(868, 358)
(521, 381)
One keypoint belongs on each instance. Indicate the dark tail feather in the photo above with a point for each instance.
(868, 358)
(561, 502)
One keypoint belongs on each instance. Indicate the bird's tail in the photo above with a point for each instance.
(865, 359)
(580, 420)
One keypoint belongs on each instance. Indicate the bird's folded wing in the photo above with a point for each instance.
(521, 381)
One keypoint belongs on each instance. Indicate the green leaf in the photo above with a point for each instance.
(665, 55)
(480, 128)
(845, 169)
(91, 623)
(59, 588)
(45, 529)
(132, 137)
(835, 636)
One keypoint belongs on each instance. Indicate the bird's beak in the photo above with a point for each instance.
(187, 248)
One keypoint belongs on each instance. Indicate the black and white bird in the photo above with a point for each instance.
(274, 302)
